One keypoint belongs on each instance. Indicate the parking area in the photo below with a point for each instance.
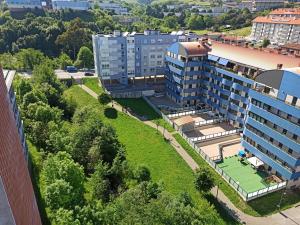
(64, 75)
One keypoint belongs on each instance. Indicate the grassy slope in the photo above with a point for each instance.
(141, 108)
(245, 31)
(145, 146)
(263, 206)
(93, 84)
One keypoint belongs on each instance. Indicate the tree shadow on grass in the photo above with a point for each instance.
(225, 212)
(111, 113)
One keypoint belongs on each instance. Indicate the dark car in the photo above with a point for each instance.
(71, 69)
(88, 74)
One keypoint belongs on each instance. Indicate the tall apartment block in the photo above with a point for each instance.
(255, 90)
(17, 200)
(123, 56)
(281, 26)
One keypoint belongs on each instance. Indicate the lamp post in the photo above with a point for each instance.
(218, 189)
(280, 201)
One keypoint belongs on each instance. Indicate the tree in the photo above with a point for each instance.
(29, 58)
(64, 217)
(85, 58)
(61, 172)
(265, 43)
(142, 173)
(64, 61)
(204, 180)
(74, 37)
(104, 98)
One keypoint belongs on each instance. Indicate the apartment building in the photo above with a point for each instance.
(280, 27)
(253, 89)
(17, 200)
(23, 4)
(122, 56)
(116, 8)
(70, 4)
(9, 76)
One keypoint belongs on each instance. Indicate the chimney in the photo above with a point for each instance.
(279, 66)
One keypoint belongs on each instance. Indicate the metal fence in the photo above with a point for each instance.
(211, 136)
(247, 196)
(212, 121)
(192, 112)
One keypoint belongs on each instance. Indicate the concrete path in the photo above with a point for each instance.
(287, 217)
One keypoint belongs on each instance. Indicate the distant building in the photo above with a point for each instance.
(17, 200)
(255, 5)
(70, 4)
(280, 26)
(116, 8)
(122, 56)
(256, 90)
(24, 4)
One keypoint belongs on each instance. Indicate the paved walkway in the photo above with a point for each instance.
(287, 217)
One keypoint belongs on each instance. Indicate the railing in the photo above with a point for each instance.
(210, 136)
(247, 196)
(212, 121)
(192, 112)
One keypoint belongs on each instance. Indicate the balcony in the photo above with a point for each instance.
(285, 124)
(271, 148)
(286, 173)
(274, 134)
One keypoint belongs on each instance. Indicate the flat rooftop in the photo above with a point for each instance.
(209, 129)
(253, 57)
(211, 147)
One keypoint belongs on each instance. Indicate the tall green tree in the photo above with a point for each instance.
(85, 58)
(204, 180)
(75, 36)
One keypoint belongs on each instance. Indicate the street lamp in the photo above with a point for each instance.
(218, 189)
(281, 198)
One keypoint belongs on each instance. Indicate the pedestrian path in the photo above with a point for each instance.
(287, 217)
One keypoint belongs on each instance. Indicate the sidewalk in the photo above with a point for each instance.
(287, 217)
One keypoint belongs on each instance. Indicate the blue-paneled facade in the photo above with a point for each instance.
(266, 104)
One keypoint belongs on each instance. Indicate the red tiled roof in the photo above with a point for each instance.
(253, 57)
(277, 20)
(194, 48)
(286, 11)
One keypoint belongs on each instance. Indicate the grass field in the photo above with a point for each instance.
(145, 146)
(93, 84)
(262, 206)
(140, 107)
(245, 31)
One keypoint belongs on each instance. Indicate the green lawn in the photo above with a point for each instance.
(262, 206)
(93, 84)
(201, 32)
(140, 107)
(145, 146)
(249, 179)
(245, 31)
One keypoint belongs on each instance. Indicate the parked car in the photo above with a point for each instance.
(71, 69)
(88, 74)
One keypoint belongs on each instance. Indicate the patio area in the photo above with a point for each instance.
(242, 173)
(211, 147)
(209, 129)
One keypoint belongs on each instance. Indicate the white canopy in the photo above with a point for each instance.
(255, 162)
